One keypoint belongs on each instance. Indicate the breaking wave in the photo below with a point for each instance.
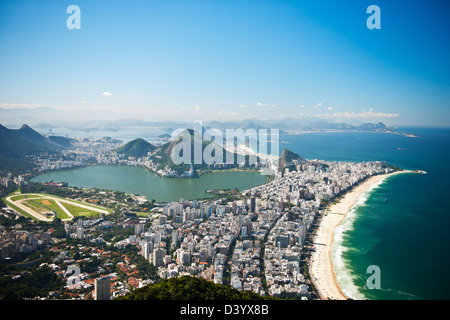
(344, 275)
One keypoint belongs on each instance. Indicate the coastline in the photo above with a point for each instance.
(321, 266)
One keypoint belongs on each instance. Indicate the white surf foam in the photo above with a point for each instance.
(344, 276)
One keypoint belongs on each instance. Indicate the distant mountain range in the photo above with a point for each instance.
(16, 145)
(286, 125)
(289, 125)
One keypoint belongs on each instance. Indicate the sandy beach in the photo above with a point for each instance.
(321, 268)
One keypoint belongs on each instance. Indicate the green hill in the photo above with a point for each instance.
(163, 155)
(12, 146)
(136, 148)
(286, 158)
(30, 135)
(16, 145)
(190, 288)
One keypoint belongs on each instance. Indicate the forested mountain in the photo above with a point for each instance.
(136, 148)
(190, 288)
(17, 145)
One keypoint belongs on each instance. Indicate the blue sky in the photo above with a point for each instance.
(204, 60)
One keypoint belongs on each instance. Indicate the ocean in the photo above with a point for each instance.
(400, 225)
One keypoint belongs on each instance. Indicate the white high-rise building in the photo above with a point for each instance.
(147, 249)
(80, 233)
(184, 256)
(138, 229)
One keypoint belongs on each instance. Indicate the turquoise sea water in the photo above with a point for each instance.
(402, 225)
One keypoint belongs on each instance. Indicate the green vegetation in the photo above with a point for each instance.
(163, 155)
(19, 147)
(22, 212)
(136, 148)
(78, 211)
(39, 205)
(71, 194)
(190, 288)
(286, 158)
(395, 168)
(43, 205)
(117, 234)
(32, 283)
(225, 195)
(145, 269)
(22, 196)
(289, 155)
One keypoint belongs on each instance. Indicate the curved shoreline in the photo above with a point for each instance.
(322, 270)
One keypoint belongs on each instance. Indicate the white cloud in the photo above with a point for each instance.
(5, 105)
(243, 105)
(363, 114)
(318, 105)
(330, 108)
(260, 104)
(106, 93)
(196, 108)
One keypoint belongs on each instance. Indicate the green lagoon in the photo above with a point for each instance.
(136, 180)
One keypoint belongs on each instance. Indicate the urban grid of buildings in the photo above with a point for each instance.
(258, 241)
(255, 243)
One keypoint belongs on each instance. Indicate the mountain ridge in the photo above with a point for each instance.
(16, 145)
